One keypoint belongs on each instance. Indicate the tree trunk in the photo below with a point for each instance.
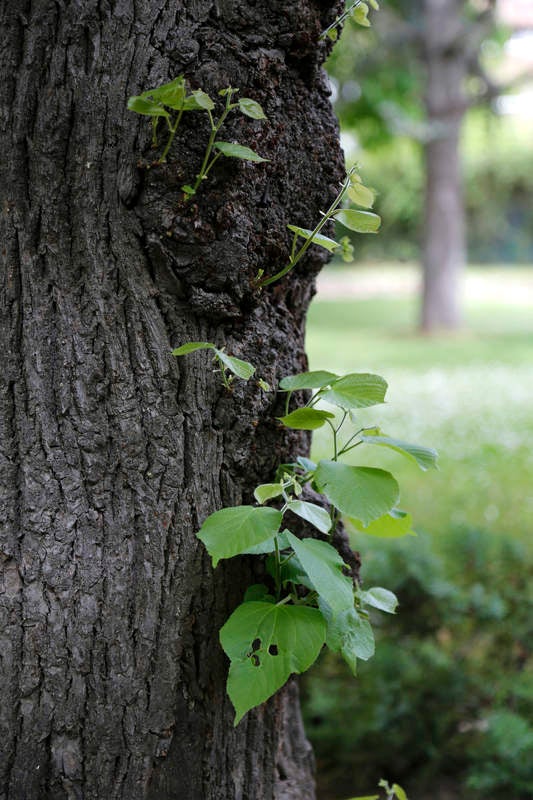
(444, 248)
(112, 681)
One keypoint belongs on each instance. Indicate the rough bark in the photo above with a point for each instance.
(444, 246)
(112, 681)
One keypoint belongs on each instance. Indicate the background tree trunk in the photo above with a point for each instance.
(444, 246)
(113, 452)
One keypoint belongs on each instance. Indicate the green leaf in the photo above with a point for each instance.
(349, 634)
(362, 492)
(190, 347)
(258, 591)
(425, 457)
(307, 380)
(267, 643)
(306, 463)
(190, 103)
(268, 546)
(377, 597)
(366, 797)
(291, 571)
(390, 526)
(318, 238)
(306, 419)
(324, 565)
(357, 390)
(242, 369)
(266, 491)
(230, 531)
(358, 221)
(188, 189)
(361, 195)
(399, 792)
(360, 15)
(147, 107)
(171, 94)
(251, 108)
(312, 513)
(264, 385)
(203, 100)
(233, 150)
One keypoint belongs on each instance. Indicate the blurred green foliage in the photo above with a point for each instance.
(447, 703)
(379, 86)
(498, 186)
(448, 698)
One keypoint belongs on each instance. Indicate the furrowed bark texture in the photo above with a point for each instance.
(444, 251)
(112, 681)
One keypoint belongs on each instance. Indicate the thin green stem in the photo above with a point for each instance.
(346, 448)
(200, 176)
(314, 399)
(215, 127)
(286, 560)
(173, 129)
(211, 163)
(340, 19)
(341, 423)
(284, 601)
(333, 428)
(277, 578)
(308, 242)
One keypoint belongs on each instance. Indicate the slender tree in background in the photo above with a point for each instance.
(444, 52)
(111, 675)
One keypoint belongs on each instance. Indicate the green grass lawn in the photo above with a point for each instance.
(468, 394)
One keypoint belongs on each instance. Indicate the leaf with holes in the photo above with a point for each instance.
(267, 643)
(362, 492)
(324, 565)
(231, 531)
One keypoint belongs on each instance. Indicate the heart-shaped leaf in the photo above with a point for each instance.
(266, 643)
(231, 531)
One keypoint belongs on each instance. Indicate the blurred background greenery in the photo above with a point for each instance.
(445, 707)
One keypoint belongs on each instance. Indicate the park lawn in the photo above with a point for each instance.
(469, 395)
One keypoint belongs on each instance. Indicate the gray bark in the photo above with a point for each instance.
(444, 247)
(112, 681)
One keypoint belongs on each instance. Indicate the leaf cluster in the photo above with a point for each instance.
(309, 600)
(352, 218)
(171, 100)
